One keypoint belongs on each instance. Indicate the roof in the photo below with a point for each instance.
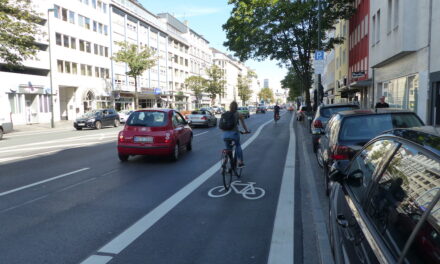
(426, 136)
(372, 112)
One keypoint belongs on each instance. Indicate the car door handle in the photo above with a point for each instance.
(340, 219)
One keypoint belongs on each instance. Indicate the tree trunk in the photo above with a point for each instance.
(136, 97)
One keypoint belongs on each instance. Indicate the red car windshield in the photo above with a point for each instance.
(147, 119)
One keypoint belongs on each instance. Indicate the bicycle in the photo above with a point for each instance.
(276, 117)
(229, 163)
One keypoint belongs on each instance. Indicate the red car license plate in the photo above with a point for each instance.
(143, 139)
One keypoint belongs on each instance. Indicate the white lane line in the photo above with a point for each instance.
(43, 181)
(127, 237)
(97, 259)
(282, 245)
(23, 204)
(201, 133)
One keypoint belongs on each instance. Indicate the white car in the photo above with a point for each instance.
(124, 114)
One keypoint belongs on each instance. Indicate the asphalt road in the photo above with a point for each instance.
(66, 198)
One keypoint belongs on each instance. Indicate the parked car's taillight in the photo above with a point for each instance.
(121, 137)
(203, 118)
(340, 153)
(317, 124)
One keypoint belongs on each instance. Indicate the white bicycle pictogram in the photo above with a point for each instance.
(248, 190)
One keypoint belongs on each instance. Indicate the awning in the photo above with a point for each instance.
(363, 83)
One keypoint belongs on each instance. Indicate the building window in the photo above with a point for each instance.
(100, 28)
(74, 68)
(88, 47)
(373, 36)
(66, 41)
(67, 67)
(105, 30)
(73, 43)
(106, 52)
(389, 17)
(366, 25)
(104, 8)
(58, 39)
(94, 25)
(402, 92)
(60, 66)
(101, 50)
(83, 69)
(97, 72)
(72, 17)
(64, 14)
(82, 46)
(81, 20)
(56, 12)
(95, 48)
(89, 70)
(378, 26)
(87, 23)
(396, 13)
(107, 73)
(94, 3)
(102, 72)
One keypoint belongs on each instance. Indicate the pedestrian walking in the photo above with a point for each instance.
(381, 103)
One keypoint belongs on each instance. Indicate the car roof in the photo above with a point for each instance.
(372, 112)
(426, 136)
(337, 105)
(167, 110)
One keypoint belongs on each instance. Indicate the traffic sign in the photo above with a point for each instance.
(319, 55)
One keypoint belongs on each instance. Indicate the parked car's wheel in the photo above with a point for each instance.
(116, 123)
(98, 125)
(78, 128)
(326, 180)
(176, 152)
(122, 157)
(189, 145)
(318, 154)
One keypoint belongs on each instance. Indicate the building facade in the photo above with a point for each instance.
(399, 53)
(341, 62)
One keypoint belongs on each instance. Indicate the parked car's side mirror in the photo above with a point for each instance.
(337, 171)
(355, 177)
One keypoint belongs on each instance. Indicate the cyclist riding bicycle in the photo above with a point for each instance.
(276, 112)
(234, 134)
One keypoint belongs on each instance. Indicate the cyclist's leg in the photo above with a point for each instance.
(238, 150)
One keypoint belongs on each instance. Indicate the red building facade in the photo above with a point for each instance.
(358, 63)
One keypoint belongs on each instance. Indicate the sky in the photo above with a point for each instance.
(206, 17)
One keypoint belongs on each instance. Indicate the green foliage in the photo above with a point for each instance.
(244, 87)
(19, 26)
(292, 82)
(197, 84)
(283, 30)
(266, 94)
(138, 59)
(215, 83)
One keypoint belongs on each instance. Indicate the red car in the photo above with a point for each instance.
(158, 132)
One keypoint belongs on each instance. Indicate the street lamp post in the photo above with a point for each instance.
(52, 123)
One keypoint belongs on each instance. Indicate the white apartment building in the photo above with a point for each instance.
(132, 23)
(399, 53)
(231, 71)
(80, 64)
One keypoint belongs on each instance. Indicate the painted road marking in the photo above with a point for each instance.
(246, 189)
(43, 181)
(127, 237)
(201, 133)
(282, 245)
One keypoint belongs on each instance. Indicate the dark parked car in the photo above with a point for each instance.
(161, 132)
(323, 114)
(201, 118)
(97, 119)
(384, 206)
(348, 131)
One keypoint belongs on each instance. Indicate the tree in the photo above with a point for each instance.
(197, 84)
(266, 95)
(19, 26)
(138, 59)
(283, 30)
(292, 82)
(215, 83)
(244, 88)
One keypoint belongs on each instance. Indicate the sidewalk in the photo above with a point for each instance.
(59, 125)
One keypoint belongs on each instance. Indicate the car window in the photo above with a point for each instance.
(148, 119)
(178, 119)
(329, 111)
(362, 167)
(400, 197)
(366, 127)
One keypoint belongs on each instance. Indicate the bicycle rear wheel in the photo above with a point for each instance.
(226, 171)
(237, 171)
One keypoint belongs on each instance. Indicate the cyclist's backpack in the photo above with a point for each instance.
(227, 121)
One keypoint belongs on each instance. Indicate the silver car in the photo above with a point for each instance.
(201, 118)
(124, 114)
